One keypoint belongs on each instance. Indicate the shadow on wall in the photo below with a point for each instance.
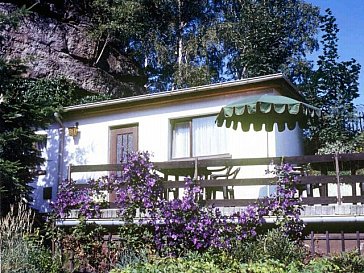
(49, 180)
(46, 186)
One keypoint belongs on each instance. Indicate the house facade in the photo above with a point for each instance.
(172, 125)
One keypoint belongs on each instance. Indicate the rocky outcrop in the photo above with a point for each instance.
(52, 48)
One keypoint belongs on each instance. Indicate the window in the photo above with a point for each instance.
(198, 137)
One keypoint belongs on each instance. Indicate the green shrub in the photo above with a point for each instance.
(130, 257)
(197, 265)
(42, 259)
(349, 262)
(265, 266)
(221, 263)
(14, 256)
(192, 262)
(20, 255)
(19, 249)
(274, 245)
(320, 265)
(136, 237)
(176, 265)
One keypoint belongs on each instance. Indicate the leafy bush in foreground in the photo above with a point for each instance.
(19, 251)
(351, 261)
(196, 265)
(274, 245)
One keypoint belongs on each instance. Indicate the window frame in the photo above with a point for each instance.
(174, 121)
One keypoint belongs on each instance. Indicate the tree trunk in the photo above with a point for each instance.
(177, 82)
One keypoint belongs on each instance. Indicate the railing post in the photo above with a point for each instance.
(358, 241)
(312, 243)
(342, 241)
(69, 171)
(327, 242)
(195, 175)
(338, 178)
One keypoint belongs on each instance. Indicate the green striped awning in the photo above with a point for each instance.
(267, 109)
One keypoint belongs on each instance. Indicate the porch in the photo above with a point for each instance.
(331, 186)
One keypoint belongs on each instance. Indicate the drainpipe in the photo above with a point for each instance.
(61, 134)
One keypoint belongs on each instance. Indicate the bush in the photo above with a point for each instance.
(18, 253)
(131, 257)
(274, 245)
(351, 262)
(212, 264)
(190, 264)
(266, 266)
(42, 259)
(320, 265)
(136, 237)
(88, 248)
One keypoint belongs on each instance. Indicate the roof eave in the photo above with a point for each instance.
(181, 91)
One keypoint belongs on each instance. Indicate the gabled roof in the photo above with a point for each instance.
(277, 81)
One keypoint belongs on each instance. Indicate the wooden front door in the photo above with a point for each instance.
(123, 140)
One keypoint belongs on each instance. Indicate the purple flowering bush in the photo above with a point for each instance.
(284, 203)
(183, 224)
(139, 186)
(171, 227)
(87, 200)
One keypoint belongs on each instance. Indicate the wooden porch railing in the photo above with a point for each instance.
(334, 169)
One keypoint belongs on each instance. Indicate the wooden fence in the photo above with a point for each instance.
(329, 242)
(335, 169)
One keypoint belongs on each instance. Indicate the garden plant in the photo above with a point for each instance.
(183, 235)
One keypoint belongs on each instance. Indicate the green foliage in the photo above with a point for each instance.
(319, 265)
(332, 87)
(85, 244)
(351, 262)
(274, 245)
(182, 43)
(20, 255)
(265, 37)
(207, 263)
(265, 266)
(43, 260)
(190, 264)
(20, 249)
(136, 237)
(26, 106)
(18, 122)
(174, 42)
(130, 257)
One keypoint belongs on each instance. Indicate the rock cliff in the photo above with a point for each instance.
(50, 47)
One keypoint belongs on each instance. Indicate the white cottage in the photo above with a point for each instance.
(172, 125)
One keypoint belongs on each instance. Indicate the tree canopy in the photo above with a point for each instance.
(26, 106)
(181, 43)
(332, 86)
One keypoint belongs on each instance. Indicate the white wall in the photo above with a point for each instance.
(154, 126)
(50, 179)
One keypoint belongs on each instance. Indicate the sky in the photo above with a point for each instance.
(349, 16)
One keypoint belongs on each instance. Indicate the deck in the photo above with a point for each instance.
(332, 186)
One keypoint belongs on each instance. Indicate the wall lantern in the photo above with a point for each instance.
(73, 131)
